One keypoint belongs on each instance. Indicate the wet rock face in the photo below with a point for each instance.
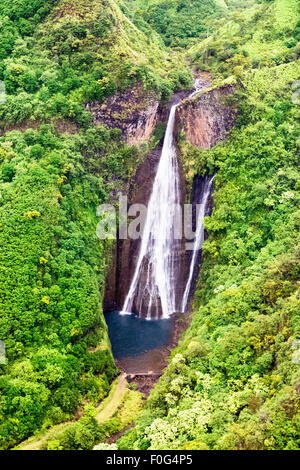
(134, 111)
(126, 252)
(206, 119)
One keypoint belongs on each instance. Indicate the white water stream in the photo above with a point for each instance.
(154, 280)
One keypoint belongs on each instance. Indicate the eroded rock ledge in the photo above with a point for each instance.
(206, 119)
(134, 111)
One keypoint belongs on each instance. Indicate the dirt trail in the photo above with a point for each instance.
(33, 444)
(111, 403)
(105, 411)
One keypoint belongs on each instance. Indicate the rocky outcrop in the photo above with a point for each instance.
(134, 111)
(206, 119)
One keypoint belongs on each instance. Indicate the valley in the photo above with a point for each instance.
(147, 343)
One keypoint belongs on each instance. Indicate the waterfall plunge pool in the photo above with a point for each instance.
(132, 336)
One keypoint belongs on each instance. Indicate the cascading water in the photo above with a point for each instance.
(199, 238)
(153, 285)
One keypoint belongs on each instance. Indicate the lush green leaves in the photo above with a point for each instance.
(233, 381)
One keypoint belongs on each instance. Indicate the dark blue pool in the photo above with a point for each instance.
(133, 336)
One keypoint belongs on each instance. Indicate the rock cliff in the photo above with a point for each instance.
(125, 252)
(134, 111)
(206, 119)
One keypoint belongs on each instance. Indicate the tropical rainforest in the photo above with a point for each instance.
(233, 381)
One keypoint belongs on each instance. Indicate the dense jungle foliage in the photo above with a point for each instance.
(233, 382)
(56, 167)
(181, 22)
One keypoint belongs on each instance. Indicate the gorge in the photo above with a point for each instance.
(97, 111)
(164, 263)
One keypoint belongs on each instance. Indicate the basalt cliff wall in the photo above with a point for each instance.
(207, 118)
(135, 111)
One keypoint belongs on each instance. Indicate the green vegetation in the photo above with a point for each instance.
(52, 270)
(233, 381)
(82, 52)
(181, 23)
(56, 167)
(115, 412)
(177, 21)
(264, 35)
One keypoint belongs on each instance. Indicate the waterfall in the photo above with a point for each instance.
(199, 238)
(153, 285)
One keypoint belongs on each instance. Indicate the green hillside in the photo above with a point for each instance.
(263, 35)
(177, 21)
(233, 381)
(55, 169)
